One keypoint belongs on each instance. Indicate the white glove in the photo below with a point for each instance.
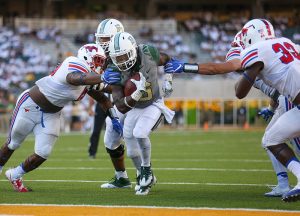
(167, 87)
(140, 87)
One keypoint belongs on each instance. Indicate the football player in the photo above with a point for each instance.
(144, 107)
(38, 109)
(112, 140)
(277, 62)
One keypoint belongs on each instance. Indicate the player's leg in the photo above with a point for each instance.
(145, 123)
(20, 127)
(280, 170)
(132, 147)
(285, 128)
(99, 120)
(115, 149)
(46, 131)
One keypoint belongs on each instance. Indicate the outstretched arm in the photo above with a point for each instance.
(243, 86)
(79, 78)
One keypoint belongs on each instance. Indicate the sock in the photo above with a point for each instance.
(280, 170)
(145, 147)
(294, 167)
(17, 172)
(121, 174)
(137, 162)
(1, 167)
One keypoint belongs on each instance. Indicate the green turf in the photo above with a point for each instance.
(227, 158)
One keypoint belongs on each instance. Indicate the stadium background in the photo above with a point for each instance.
(36, 35)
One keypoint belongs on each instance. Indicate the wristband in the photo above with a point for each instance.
(136, 95)
(111, 112)
(125, 102)
(190, 68)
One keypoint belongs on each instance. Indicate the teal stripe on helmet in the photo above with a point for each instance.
(117, 42)
(103, 24)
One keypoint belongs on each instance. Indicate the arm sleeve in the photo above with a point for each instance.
(250, 56)
(152, 51)
(267, 90)
(233, 53)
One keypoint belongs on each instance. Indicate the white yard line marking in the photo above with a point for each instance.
(165, 168)
(162, 183)
(153, 207)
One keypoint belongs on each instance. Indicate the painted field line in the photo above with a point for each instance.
(165, 168)
(165, 160)
(161, 183)
(153, 207)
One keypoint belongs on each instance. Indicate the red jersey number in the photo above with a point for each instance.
(288, 52)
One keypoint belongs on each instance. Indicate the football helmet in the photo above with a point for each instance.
(257, 30)
(93, 55)
(237, 41)
(123, 51)
(106, 29)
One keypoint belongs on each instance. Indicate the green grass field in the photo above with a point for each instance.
(194, 169)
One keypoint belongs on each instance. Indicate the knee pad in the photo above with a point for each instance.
(116, 153)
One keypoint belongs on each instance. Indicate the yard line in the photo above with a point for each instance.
(166, 160)
(161, 183)
(165, 168)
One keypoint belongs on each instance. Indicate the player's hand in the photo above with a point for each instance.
(140, 84)
(266, 113)
(117, 126)
(173, 66)
(167, 88)
(111, 77)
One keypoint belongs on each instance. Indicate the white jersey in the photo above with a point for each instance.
(281, 64)
(233, 53)
(55, 86)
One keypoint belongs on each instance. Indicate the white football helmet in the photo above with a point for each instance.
(106, 29)
(237, 41)
(123, 51)
(257, 30)
(93, 55)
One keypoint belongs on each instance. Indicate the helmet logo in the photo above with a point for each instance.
(91, 48)
(118, 27)
(131, 39)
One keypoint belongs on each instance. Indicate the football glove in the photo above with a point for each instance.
(266, 113)
(140, 87)
(173, 66)
(117, 126)
(111, 77)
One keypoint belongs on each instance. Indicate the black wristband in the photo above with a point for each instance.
(190, 68)
(111, 113)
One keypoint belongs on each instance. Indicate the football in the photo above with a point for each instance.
(130, 87)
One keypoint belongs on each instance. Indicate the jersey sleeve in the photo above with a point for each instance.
(151, 51)
(74, 65)
(250, 56)
(233, 53)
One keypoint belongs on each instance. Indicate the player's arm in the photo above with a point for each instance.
(124, 104)
(211, 68)
(79, 78)
(243, 86)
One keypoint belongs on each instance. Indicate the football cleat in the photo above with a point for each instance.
(137, 185)
(293, 195)
(146, 176)
(277, 191)
(117, 183)
(144, 190)
(17, 183)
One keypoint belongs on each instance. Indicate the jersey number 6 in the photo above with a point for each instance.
(288, 51)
